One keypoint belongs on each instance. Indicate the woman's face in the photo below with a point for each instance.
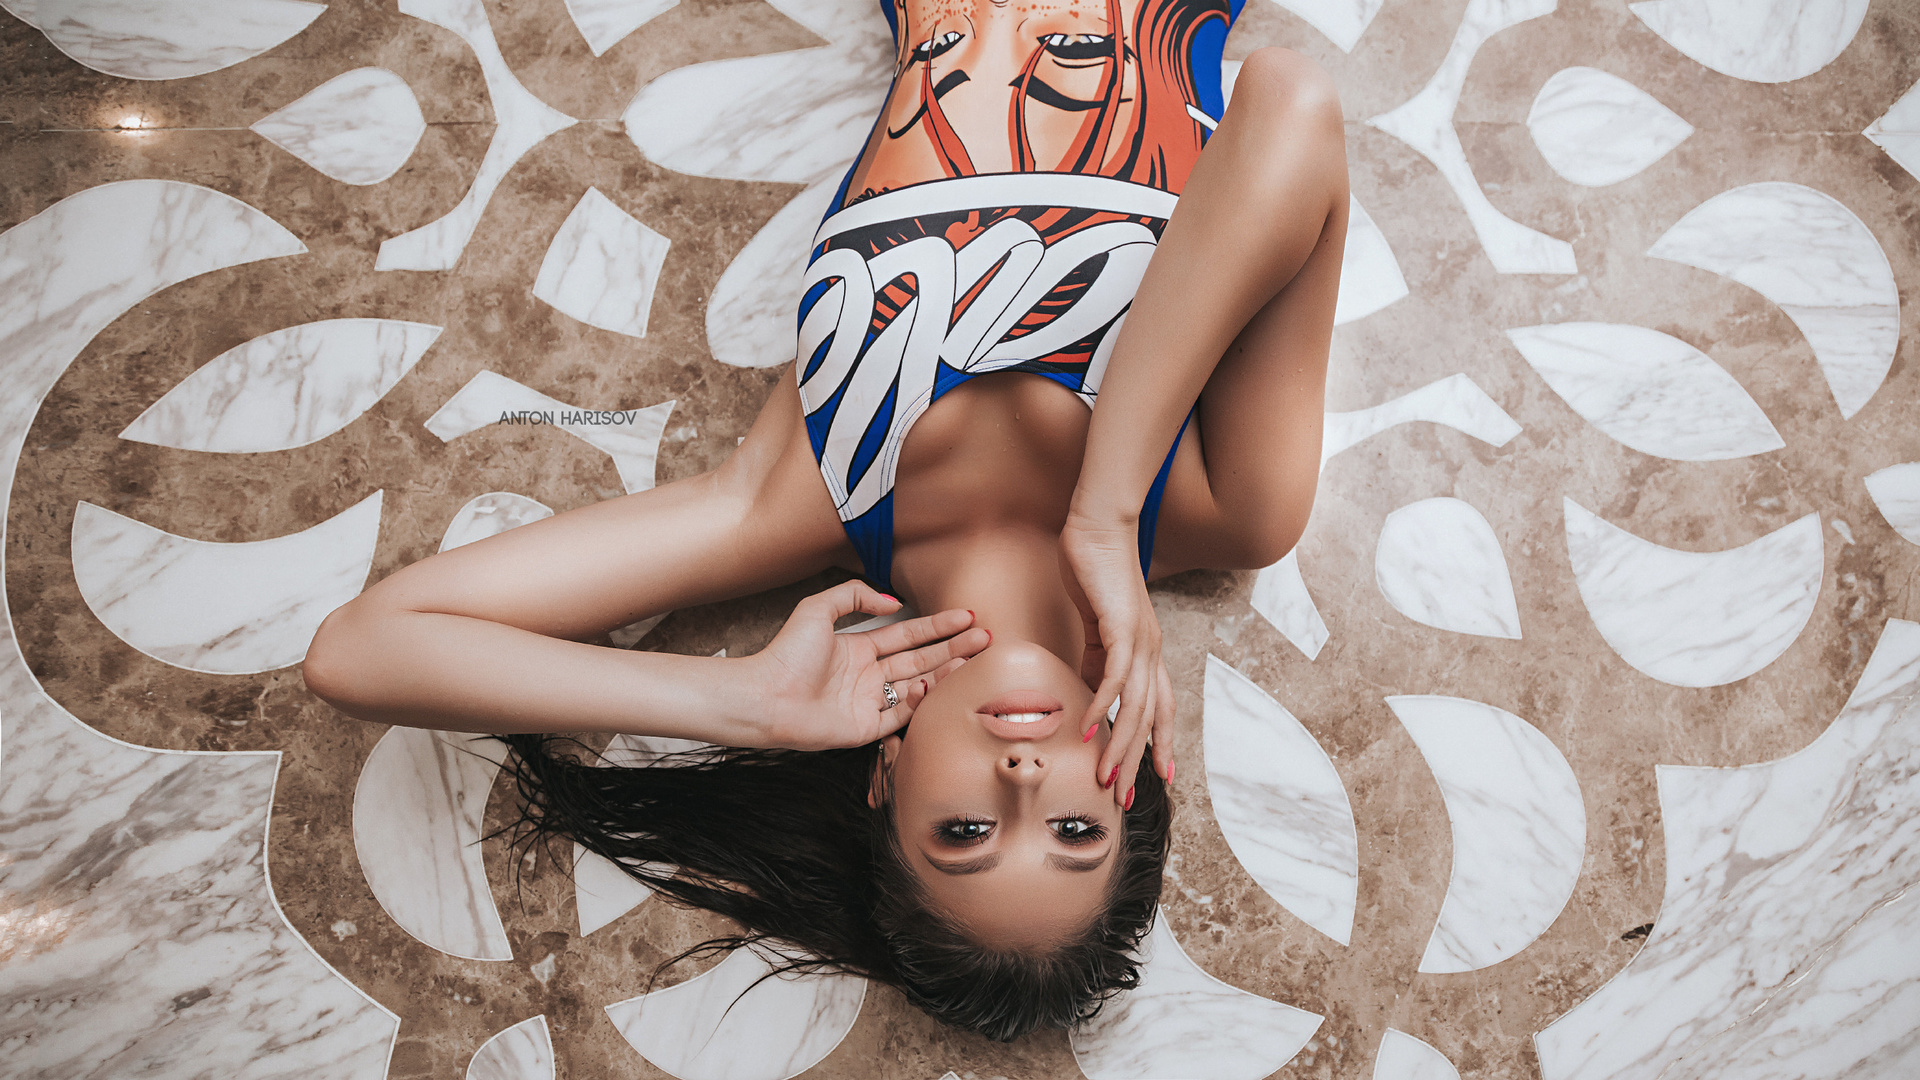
(996, 803)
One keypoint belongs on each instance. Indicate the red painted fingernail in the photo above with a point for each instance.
(1169, 772)
(989, 634)
(1112, 776)
(891, 597)
(1128, 804)
(923, 689)
(970, 614)
(1088, 737)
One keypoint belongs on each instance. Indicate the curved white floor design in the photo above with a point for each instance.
(631, 437)
(490, 515)
(1455, 401)
(521, 1052)
(1648, 390)
(357, 128)
(1519, 828)
(712, 1027)
(417, 811)
(164, 39)
(1425, 122)
(1772, 41)
(1280, 596)
(521, 121)
(1370, 277)
(1786, 940)
(1595, 128)
(604, 23)
(1819, 263)
(1184, 1022)
(602, 267)
(750, 319)
(1696, 618)
(1280, 803)
(285, 389)
(225, 609)
(602, 892)
(1897, 131)
(1403, 1057)
(1342, 21)
(1438, 562)
(1896, 491)
(262, 999)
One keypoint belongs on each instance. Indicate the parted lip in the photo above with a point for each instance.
(1021, 701)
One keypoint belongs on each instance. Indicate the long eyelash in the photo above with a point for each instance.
(946, 831)
(1093, 833)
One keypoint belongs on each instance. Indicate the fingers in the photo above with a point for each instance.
(914, 633)
(911, 692)
(846, 598)
(1163, 728)
(908, 665)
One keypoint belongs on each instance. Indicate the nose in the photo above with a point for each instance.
(1023, 766)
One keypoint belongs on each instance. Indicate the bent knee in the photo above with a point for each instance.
(1284, 84)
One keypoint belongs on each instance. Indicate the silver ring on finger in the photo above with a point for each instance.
(893, 699)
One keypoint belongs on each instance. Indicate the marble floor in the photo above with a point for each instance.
(1579, 737)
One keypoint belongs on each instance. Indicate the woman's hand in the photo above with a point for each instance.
(823, 690)
(1122, 660)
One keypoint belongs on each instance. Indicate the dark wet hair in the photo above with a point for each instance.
(783, 843)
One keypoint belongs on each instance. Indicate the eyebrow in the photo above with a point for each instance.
(984, 863)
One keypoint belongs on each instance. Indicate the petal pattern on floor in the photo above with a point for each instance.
(1696, 618)
(1182, 1021)
(285, 389)
(604, 23)
(1786, 939)
(1809, 254)
(750, 319)
(631, 437)
(164, 39)
(1518, 822)
(602, 266)
(713, 1027)
(1896, 491)
(1280, 803)
(1455, 401)
(1438, 562)
(1370, 277)
(602, 892)
(357, 128)
(1897, 131)
(521, 1052)
(1342, 21)
(490, 515)
(1771, 42)
(1403, 1057)
(416, 828)
(521, 121)
(1425, 123)
(221, 608)
(1595, 128)
(1648, 390)
(1280, 596)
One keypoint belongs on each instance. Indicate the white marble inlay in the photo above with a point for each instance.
(1280, 803)
(1786, 942)
(164, 39)
(1425, 122)
(1803, 250)
(521, 1052)
(602, 892)
(751, 317)
(99, 905)
(1651, 391)
(1696, 618)
(1370, 277)
(417, 811)
(285, 389)
(604, 23)
(1898, 131)
(221, 608)
(1280, 596)
(602, 267)
(1342, 21)
(521, 121)
(626, 637)
(1596, 128)
(1896, 491)
(357, 128)
(1519, 828)
(1403, 1057)
(1182, 1021)
(631, 437)
(1455, 401)
(490, 515)
(1767, 41)
(1438, 562)
(712, 1027)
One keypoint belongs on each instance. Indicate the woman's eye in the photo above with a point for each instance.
(965, 832)
(927, 50)
(1079, 830)
(1078, 47)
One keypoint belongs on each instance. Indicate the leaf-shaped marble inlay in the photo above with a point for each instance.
(1342, 21)
(732, 1023)
(1785, 945)
(1518, 823)
(1896, 491)
(1767, 41)
(750, 319)
(520, 119)
(417, 810)
(1280, 596)
(1810, 255)
(1897, 131)
(1455, 401)
(605, 22)
(1181, 1021)
(1403, 1057)
(1696, 618)
(164, 39)
(1370, 277)
(521, 1052)
(221, 608)
(1425, 123)
(631, 437)
(1439, 563)
(285, 389)
(602, 267)
(602, 892)
(1596, 129)
(1280, 803)
(1651, 391)
(490, 515)
(357, 128)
